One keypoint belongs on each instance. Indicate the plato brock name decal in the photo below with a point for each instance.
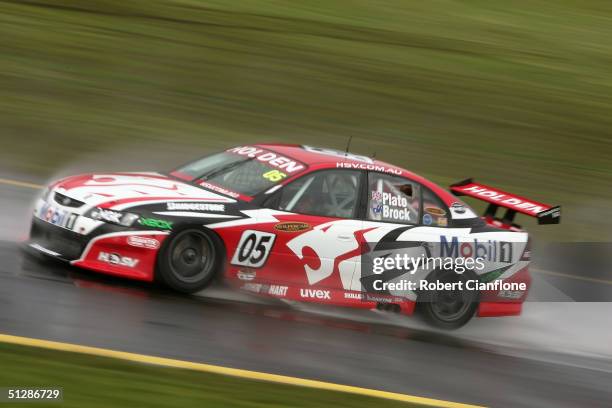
(196, 207)
(266, 156)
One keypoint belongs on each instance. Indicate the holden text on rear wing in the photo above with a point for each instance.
(546, 214)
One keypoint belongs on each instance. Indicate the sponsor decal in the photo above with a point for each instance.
(372, 167)
(442, 222)
(438, 212)
(218, 189)
(114, 217)
(315, 294)
(353, 295)
(274, 175)
(277, 290)
(142, 242)
(106, 215)
(155, 223)
(492, 251)
(195, 207)
(292, 226)
(246, 275)
(381, 299)
(116, 259)
(57, 216)
(511, 294)
(504, 199)
(252, 287)
(427, 219)
(272, 159)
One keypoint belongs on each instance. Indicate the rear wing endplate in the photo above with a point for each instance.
(546, 214)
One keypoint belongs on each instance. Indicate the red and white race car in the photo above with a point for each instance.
(293, 222)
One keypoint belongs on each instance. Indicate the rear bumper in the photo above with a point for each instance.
(505, 303)
(492, 309)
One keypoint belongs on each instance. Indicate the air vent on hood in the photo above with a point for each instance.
(67, 201)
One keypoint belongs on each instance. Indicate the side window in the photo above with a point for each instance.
(393, 199)
(435, 213)
(327, 193)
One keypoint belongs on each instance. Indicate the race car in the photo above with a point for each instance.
(294, 222)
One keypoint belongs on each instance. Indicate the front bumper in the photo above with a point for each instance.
(56, 241)
(111, 249)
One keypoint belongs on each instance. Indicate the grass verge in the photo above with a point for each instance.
(92, 381)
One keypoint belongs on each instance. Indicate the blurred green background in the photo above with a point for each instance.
(517, 94)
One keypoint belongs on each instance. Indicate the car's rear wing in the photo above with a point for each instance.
(546, 214)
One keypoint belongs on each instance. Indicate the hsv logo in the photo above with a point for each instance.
(315, 294)
(116, 259)
(364, 166)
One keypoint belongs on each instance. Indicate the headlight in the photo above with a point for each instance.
(114, 217)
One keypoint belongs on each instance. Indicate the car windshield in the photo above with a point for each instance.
(248, 171)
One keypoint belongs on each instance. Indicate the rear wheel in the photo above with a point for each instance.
(190, 259)
(449, 309)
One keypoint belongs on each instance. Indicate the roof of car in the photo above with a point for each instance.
(321, 155)
(331, 158)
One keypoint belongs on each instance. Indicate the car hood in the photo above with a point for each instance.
(121, 191)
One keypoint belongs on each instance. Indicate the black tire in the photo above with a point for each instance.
(448, 310)
(190, 259)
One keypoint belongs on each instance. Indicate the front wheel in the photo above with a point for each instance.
(189, 260)
(449, 309)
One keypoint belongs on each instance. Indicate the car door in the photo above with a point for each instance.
(405, 218)
(317, 237)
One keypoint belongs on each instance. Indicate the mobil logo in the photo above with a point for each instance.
(489, 250)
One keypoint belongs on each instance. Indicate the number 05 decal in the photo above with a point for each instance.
(253, 249)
